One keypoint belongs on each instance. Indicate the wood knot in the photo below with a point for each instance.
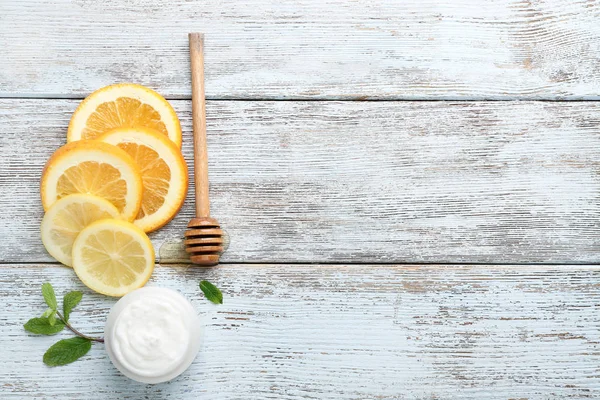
(204, 241)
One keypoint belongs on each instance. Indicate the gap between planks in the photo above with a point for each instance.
(342, 264)
(409, 266)
(34, 96)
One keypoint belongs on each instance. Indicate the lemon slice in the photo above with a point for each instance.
(113, 257)
(163, 169)
(67, 217)
(93, 167)
(123, 105)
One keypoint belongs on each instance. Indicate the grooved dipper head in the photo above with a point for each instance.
(204, 241)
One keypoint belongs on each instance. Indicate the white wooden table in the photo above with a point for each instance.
(411, 189)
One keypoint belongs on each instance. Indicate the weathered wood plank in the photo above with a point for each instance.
(498, 182)
(337, 332)
(414, 49)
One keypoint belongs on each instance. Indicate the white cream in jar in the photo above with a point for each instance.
(153, 334)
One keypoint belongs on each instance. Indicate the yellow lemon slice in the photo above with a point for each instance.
(67, 217)
(97, 168)
(163, 169)
(121, 106)
(113, 257)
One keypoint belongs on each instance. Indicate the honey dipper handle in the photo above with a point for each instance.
(199, 124)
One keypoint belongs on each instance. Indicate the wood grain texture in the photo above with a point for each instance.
(333, 49)
(337, 332)
(358, 181)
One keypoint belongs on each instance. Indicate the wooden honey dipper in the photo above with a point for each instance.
(204, 237)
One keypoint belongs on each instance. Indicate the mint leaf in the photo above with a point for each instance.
(47, 313)
(66, 351)
(211, 292)
(52, 318)
(70, 300)
(41, 326)
(48, 293)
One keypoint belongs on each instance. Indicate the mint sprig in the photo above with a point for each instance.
(49, 296)
(70, 301)
(211, 292)
(41, 326)
(52, 321)
(66, 351)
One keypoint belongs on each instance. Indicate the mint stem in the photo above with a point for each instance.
(75, 331)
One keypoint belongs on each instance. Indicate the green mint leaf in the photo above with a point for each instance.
(70, 300)
(66, 351)
(48, 293)
(47, 313)
(52, 318)
(41, 326)
(211, 292)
